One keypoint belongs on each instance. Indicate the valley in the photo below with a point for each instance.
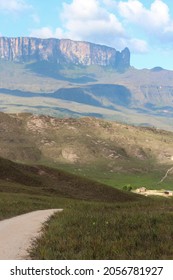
(82, 130)
(132, 97)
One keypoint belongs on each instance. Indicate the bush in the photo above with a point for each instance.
(127, 188)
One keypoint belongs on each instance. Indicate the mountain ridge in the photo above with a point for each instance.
(62, 51)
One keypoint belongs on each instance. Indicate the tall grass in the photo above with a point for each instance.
(109, 231)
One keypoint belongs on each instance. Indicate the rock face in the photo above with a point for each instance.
(65, 51)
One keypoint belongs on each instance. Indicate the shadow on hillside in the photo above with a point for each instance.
(100, 95)
(52, 70)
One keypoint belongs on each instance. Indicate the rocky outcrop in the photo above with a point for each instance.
(65, 51)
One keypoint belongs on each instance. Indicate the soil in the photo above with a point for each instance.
(155, 192)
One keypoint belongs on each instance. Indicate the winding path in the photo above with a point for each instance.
(17, 234)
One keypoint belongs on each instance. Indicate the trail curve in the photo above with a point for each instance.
(17, 233)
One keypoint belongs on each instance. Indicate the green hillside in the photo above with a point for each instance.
(83, 166)
(98, 222)
(18, 178)
(112, 153)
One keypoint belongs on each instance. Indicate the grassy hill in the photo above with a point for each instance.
(73, 164)
(82, 164)
(111, 153)
(98, 222)
(18, 178)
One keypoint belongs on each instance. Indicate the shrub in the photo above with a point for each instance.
(127, 188)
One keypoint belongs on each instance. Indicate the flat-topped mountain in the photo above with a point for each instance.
(65, 51)
(73, 79)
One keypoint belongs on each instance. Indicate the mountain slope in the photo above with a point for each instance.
(18, 178)
(111, 152)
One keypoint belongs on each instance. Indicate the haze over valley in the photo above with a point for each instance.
(73, 79)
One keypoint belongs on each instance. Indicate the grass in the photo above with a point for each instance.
(24, 188)
(13, 204)
(102, 150)
(98, 222)
(109, 231)
(97, 230)
(41, 180)
(137, 177)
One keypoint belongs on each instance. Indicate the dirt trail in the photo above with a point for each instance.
(155, 192)
(17, 234)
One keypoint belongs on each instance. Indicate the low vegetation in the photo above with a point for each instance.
(86, 230)
(86, 167)
(90, 148)
(98, 222)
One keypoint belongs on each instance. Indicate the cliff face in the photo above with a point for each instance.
(62, 51)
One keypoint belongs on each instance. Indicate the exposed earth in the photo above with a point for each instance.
(146, 192)
(17, 234)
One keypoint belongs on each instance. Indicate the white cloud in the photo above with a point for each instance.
(13, 5)
(85, 20)
(83, 10)
(88, 20)
(110, 4)
(46, 32)
(92, 21)
(137, 45)
(156, 16)
(156, 20)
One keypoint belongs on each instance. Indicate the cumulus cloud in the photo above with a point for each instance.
(88, 20)
(96, 21)
(47, 32)
(93, 21)
(110, 4)
(156, 20)
(137, 45)
(13, 5)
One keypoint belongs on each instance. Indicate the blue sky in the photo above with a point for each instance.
(146, 27)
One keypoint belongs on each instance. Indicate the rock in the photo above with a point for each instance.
(65, 51)
(70, 155)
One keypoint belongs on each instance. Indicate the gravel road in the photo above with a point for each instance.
(17, 234)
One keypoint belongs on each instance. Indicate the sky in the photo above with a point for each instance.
(145, 27)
